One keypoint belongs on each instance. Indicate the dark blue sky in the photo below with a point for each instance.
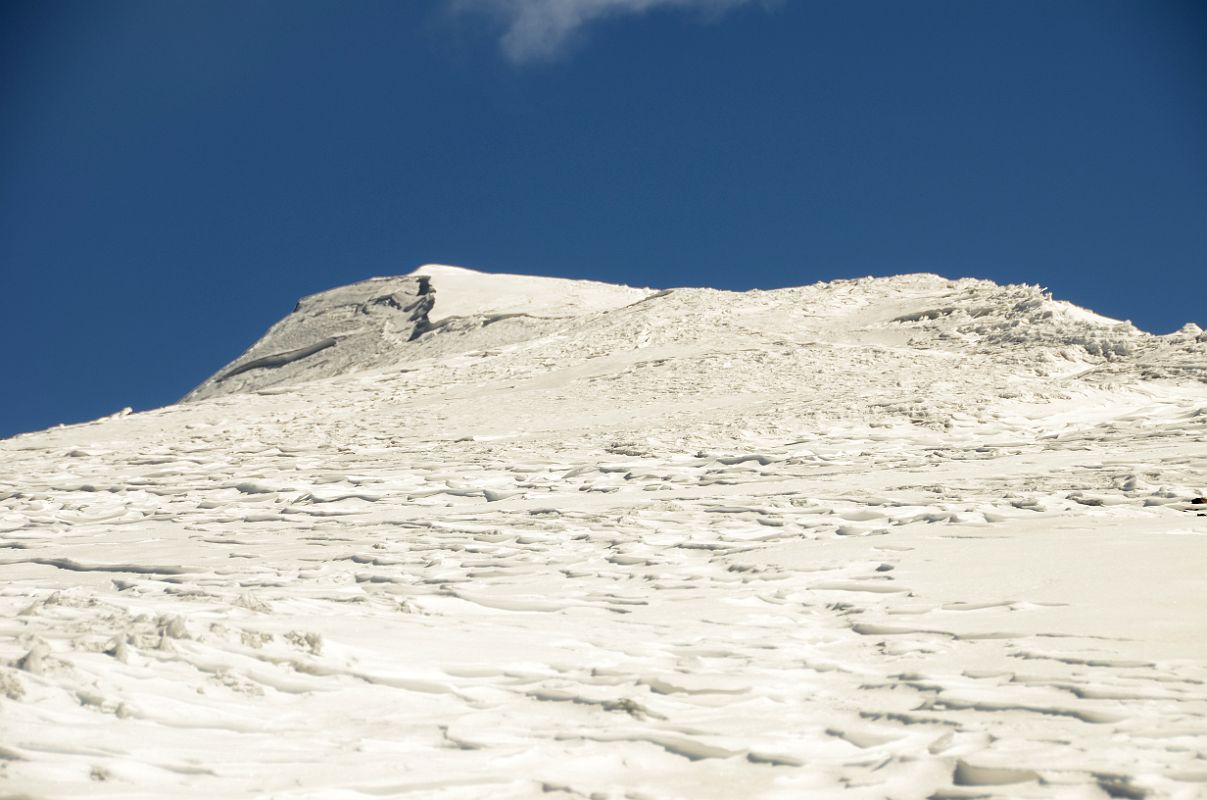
(174, 175)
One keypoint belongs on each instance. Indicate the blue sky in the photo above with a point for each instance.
(174, 175)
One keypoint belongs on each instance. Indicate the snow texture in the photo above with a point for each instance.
(456, 535)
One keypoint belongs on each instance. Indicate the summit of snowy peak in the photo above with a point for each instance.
(461, 292)
(368, 324)
(441, 312)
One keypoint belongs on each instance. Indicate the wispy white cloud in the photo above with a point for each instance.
(540, 30)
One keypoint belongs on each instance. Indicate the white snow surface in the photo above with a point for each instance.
(898, 537)
(467, 293)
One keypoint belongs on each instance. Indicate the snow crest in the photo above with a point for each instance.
(442, 310)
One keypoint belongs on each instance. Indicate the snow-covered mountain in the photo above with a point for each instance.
(454, 534)
(386, 321)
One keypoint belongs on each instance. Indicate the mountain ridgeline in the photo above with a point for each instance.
(389, 322)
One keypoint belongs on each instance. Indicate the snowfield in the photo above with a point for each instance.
(457, 535)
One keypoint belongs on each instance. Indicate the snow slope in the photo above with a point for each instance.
(898, 537)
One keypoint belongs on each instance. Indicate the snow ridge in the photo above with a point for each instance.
(440, 309)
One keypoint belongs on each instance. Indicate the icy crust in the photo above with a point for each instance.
(816, 543)
(983, 313)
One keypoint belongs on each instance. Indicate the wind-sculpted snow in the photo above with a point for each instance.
(374, 321)
(864, 539)
(327, 334)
